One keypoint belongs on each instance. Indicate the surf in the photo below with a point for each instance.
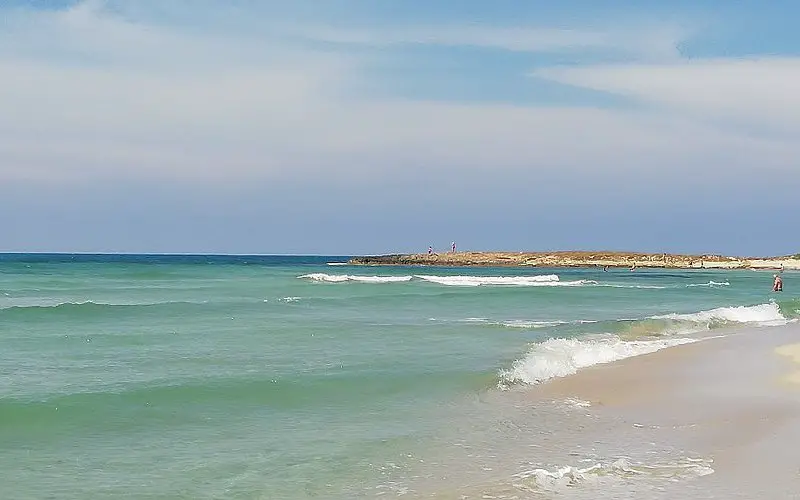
(561, 356)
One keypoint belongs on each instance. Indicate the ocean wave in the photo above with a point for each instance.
(710, 284)
(475, 281)
(465, 280)
(523, 323)
(518, 323)
(540, 280)
(644, 287)
(342, 278)
(568, 477)
(336, 263)
(55, 304)
(768, 314)
(674, 324)
(561, 357)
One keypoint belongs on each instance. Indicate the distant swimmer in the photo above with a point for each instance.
(777, 285)
(605, 269)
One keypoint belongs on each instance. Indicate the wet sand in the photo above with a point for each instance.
(716, 419)
(734, 400)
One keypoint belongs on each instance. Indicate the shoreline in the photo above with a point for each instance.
(715, 418)
(581, 259)
(732, 398)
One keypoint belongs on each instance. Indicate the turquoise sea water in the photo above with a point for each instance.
(288, 377)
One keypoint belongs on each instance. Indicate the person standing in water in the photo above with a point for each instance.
(777, 285)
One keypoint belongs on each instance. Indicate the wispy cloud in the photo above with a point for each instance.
(757, 91)
(101, 91)
(657, 42)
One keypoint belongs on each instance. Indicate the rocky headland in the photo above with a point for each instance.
(581, 259)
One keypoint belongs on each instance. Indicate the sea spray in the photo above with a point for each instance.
(561, 357)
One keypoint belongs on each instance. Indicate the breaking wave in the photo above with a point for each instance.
(560, 357)
(474, 281)
(561, 479)
(763, 314)
(342, 278)
(710, 284)
(469, 281)
(541, 280)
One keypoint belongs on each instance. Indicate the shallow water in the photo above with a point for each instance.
(286, 377)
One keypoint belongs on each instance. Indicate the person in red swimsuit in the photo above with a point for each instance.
(777, 285)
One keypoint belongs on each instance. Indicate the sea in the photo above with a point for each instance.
(252, 377)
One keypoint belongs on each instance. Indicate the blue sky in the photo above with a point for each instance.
(348, 127)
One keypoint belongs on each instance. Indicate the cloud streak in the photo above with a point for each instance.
(757, 91)
(658, 43)
(98, 91)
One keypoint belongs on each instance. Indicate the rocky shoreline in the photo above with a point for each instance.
(580, 259)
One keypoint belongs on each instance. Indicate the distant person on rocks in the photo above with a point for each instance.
(777, 285)
(454, 247)
(430, 250)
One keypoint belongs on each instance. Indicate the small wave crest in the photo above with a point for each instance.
(41, 304)
(342, 278)
(562, 478)
(710, 284)
(540, 280)
(466, 281)
(525, 324)
(559, 357)
(763, 314)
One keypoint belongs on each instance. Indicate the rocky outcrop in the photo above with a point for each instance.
(580, 259)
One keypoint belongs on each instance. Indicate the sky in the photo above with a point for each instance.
(344, 127)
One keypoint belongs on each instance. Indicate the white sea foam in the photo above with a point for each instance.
(521, 323)
(336, 263)
(561, 478)
(576, 403)
(341, 278)
(517, 323)
(540, 280)
(41, 303)
(560, 357)
(710, 284)
(763, 314)
(541, 324)
(645, 287)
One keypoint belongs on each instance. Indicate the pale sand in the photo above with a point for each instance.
(734, 399)
(791, 351)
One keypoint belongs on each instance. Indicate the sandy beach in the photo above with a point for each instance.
(714, 419)
(583, 259)
(732, 401)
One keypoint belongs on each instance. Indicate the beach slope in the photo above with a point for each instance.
(734, 400)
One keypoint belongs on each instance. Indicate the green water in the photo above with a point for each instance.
(237, 377)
